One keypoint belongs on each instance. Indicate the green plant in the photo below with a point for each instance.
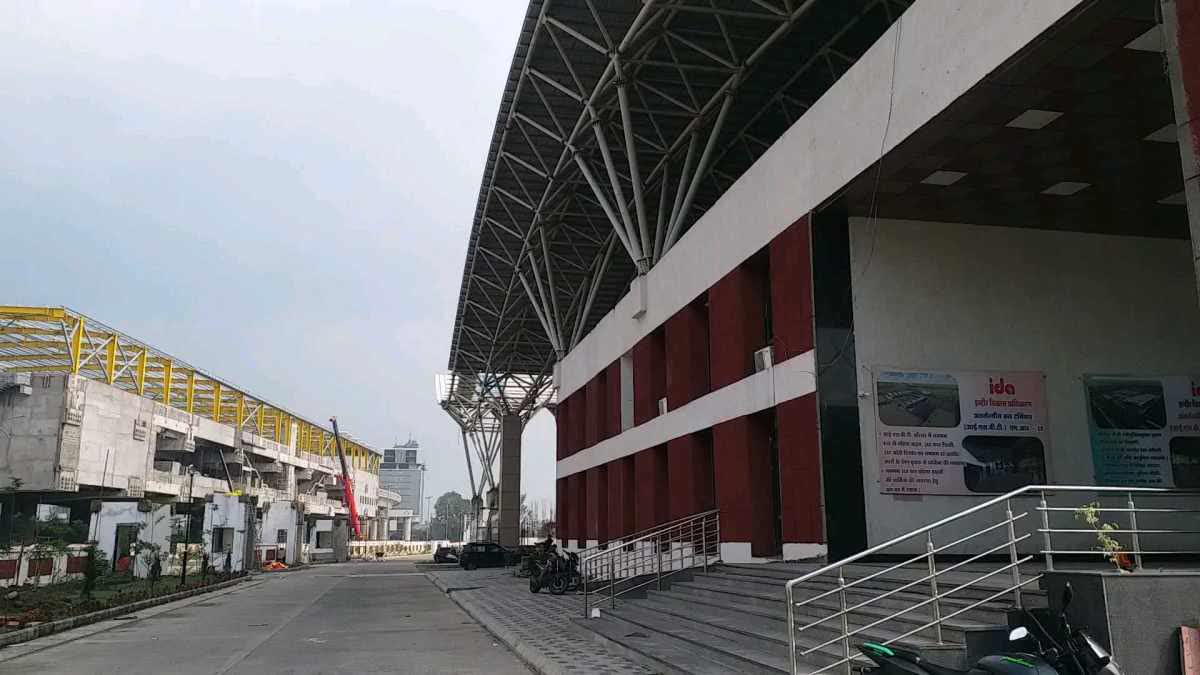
(1113, 550)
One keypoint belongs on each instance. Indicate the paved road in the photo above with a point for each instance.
(369, 617)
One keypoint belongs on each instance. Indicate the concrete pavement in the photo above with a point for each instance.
(367, 617)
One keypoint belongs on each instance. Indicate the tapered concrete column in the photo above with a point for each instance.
(510, 481)
(1181, 40)
(408, 529)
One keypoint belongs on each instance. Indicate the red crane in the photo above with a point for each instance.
(347, 483)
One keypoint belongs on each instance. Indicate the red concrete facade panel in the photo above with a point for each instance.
(597, 395)
(649, 376)
(597, 503)
(742, 469)
(736, 325)
(650, 477)
(576, 438)
(621, 498)
(577, 487)
(612, 399)
(690, 474)
(561, 424)
(687, 355)
(562, 508)
(791, 291)
(800, 471)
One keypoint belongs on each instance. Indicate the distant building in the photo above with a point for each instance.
(403, 472)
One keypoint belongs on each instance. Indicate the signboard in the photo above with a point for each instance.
(960, 433)
(1145, 431)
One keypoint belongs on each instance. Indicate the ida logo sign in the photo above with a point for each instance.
(1001, 387)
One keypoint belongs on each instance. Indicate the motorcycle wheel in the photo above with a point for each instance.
(559, 584)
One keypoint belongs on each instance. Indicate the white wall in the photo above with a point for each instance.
(226, 511)
(946, 46)
(963, 297)
(157, 529)
(110, 452)
(29, 433)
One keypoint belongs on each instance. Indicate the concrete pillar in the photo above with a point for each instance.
(1181, 33)
(408, 529)
(341, 539)
(510, 481)
(690, 475)
(562, 421)
(742, 467)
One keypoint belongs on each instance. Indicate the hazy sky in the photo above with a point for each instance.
(279, 192)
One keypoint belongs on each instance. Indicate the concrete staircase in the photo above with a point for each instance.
(734, 618)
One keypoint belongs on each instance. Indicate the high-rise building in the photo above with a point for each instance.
(403, 472)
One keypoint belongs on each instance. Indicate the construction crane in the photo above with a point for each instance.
(347, 483)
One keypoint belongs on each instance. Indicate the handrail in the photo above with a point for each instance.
(973, 510)
(678, 545)
(642, 534)
(822, 599)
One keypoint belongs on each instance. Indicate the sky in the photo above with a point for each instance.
(277, 192)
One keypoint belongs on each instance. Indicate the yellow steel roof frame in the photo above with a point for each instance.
(59, 340)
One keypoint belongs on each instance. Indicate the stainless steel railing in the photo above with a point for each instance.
(649, 557)
(972, 558)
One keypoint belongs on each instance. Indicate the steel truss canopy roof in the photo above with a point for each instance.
(621, 123)
(58, 340)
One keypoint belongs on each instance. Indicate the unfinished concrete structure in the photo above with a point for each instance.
(147, 448)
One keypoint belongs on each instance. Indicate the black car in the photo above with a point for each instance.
(446, 554)
(484, 554)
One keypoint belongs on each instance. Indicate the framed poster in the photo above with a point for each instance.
(1144, 431)
(960, 433)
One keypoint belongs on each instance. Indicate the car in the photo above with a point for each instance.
(446, 554)
(484, 554)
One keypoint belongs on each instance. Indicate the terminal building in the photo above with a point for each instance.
(839, 269)
(141, 446)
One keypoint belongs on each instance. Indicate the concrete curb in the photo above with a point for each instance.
(49, 628)
(534, 658)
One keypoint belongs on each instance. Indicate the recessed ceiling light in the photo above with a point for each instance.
(943, 178)
(1065, 188)
(1176, 199)
(1033, 119)
(1166, 134)
(1150, 41)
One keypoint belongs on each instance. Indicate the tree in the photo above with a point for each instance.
(449, 510)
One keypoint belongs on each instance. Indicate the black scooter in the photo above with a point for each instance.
(1037, 651)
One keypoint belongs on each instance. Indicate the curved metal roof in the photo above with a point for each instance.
(620, 124)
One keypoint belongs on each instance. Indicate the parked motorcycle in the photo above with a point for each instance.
(1037, 651)
(566, 576)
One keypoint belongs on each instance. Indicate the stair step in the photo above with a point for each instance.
(978, 590)
(953, 629)
(745, 653)
(762, 623)
(661, 653)
(994, 612)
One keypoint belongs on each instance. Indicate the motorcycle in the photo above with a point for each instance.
(566, 576)
(1063, 651)
(558, 574)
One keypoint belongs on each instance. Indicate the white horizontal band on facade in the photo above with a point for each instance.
(784, 381)
(946, 47)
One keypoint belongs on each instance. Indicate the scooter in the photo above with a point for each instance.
(1063, 652)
